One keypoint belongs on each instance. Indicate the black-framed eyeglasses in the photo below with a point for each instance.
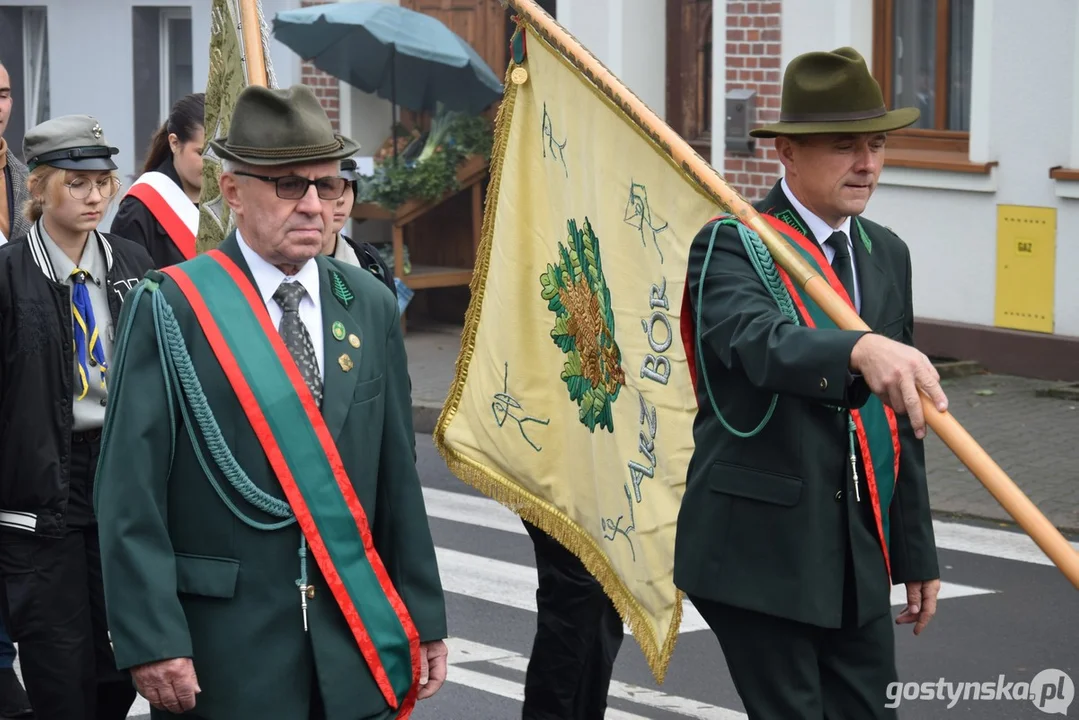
(294, 187)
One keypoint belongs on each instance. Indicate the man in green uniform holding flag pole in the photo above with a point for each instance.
(264, 541)
(806, 497)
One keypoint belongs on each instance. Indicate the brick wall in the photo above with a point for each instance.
(754, 60)
(325, 86)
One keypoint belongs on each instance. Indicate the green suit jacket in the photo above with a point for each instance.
(184, 577)
(767, 522)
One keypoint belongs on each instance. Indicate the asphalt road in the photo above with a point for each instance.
(1005, 611)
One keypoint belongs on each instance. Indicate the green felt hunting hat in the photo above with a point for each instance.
(833, 92)
(70, 142)
(281, 127)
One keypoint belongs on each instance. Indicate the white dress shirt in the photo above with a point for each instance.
(268, 278)
(821, 232)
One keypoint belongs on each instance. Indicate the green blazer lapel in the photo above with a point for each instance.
(870, 274)
(778, 206)
(341, 333)
(872, 280)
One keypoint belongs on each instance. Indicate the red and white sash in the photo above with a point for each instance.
(170, 207)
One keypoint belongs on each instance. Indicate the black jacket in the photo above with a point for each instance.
(37, 376)
(135, 222)
(372, 261)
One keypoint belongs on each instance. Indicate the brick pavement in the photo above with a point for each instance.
(1034, 439)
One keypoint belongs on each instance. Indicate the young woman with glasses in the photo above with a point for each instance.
(62, 286)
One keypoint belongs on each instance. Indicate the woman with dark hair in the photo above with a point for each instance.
(160, 211)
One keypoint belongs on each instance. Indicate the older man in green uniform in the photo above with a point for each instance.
(806, 497)
(264, 540)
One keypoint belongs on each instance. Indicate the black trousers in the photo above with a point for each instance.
(578, 636)
(54, 607)
(791, 670)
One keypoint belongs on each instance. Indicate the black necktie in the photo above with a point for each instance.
(841, 261)
(297, 340)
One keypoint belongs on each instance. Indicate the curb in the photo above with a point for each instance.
(425, 417)
(1064, 391)
(955, 369)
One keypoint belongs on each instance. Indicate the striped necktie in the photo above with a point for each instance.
(89, 350)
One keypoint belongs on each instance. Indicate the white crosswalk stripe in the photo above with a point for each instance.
(513, 585)
(464, 652)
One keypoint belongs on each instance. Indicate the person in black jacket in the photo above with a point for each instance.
(355, 252)
(62, 286)
(160, 211)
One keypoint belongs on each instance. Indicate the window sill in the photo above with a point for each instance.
(942, 160)
(937, 169)
(1067, 181)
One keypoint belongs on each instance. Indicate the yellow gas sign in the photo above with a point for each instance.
(1026, 267)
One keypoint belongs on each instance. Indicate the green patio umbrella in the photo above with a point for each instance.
(411, 59)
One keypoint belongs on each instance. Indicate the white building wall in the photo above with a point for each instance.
(628, 37)
(91, 62)
(1025, 116)
(1024, 91)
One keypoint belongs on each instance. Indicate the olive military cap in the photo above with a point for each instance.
(833, 92)
(281, 127)
(70, 142)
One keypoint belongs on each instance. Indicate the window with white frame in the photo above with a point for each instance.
(176, 69)
(162, 67)
(24, 52)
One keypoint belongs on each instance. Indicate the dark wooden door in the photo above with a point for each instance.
(481, 23)
(689, 72)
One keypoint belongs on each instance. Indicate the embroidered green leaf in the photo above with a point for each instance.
(341, 290)
(865, 238)
(576, 291)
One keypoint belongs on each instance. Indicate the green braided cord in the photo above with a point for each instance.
(764, 265)
(158, 333)
(178, 368)
(184, 370)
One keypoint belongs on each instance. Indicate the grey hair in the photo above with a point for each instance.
(232, 166)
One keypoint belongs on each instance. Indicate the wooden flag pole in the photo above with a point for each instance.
(254, 55)
(1007, 493)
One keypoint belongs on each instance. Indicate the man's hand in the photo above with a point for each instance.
(921, 604)
(432, 668)
(896, 373)
(168, 685)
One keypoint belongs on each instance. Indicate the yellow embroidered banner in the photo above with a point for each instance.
(573, 403)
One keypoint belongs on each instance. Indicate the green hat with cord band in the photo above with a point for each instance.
(833, 92)
(281, 127)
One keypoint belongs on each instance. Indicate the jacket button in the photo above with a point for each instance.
(824, 383)
(838, 495)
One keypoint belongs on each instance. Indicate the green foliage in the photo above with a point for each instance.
(454, 137)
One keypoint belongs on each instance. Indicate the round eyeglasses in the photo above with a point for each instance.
(81, 187)
(294, 187)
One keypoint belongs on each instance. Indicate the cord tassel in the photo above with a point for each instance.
(853, 457)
